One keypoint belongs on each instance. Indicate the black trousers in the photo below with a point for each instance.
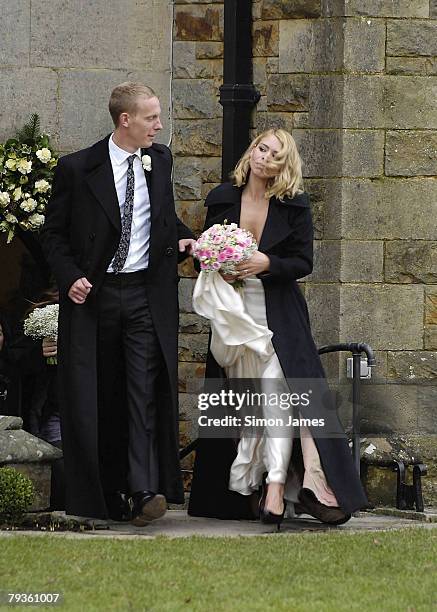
(129, 363)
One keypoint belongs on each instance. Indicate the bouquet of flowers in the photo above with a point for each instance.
(221, 247)
(43, 323)
(27, 165)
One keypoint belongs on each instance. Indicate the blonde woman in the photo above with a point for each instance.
(316, 474)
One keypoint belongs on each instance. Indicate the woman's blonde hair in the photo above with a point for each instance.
(286, 166)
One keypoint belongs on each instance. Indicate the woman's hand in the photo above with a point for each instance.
(259, 262)
(49, 347)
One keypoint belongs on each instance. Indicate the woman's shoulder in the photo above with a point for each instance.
(300, 199)
(226, 193)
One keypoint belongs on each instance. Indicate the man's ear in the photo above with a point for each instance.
(123, 120)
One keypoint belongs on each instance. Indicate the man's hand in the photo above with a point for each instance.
(49, 347)
(259, 262)
(79, 290)
(186, 244)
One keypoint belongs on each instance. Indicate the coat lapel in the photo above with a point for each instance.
(276, 227)
(100, 179)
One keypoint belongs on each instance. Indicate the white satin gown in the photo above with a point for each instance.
(241, 344)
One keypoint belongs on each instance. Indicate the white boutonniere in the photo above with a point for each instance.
(147, 162)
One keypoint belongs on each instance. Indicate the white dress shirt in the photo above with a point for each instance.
(138, 254)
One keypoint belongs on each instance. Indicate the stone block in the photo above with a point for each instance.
(210, 69)
(409, 103)
(186, 286)
(265, 38)
(363, 102)
(326, 101)
(432, 9)
(411, 65)
(431, 306)
(15, 33)
(132, 35)
(326, 199)
(413, 367)
(209, 50)
(310, 45)
(385, 316)
(411, 153)
(10, 422)
(430, 338)
(184, 60)
(199, 23)
(19, 446)
(362, 261)
(195, 99)
(186, 269)
(377, 8)
(187, 178)
(191, 323)
(364, 45)
(284, 121)
(290, 9)
(301, 120)
(323, 304)
(413, 37)
(193, 347)
(327, 261)
(389, 209)
(24, 90)
(197, 137)
(260, 74)
(190, 373)
(411, 261)
(341, 153)
(192, 213)
(287, 93)
(83, 106)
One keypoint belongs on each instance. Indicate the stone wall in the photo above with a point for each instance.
(61, 59)
(356, 83)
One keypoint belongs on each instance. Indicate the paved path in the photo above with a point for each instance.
(176, 524)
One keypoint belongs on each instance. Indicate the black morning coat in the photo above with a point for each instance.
(80, 236)
(287, 239)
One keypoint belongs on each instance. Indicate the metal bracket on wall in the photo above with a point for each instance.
(409, 496)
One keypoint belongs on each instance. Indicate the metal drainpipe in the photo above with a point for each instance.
(238, 95)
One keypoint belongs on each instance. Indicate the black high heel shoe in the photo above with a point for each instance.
(267, 517)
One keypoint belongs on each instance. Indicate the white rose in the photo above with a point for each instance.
(24, 166)
(36, 220)
(42, 186)
(28, 205)
(10, 218)
(147, 162)
(44, 155)
(11, 164)
(17, 194)
(4, 198)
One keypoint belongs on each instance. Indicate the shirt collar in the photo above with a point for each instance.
(118, 155)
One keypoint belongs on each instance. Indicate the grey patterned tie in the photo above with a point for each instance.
(126, 223)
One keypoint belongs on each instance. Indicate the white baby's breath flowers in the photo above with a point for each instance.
(28, 205)
(4, 198)
(147, 162)
(24, 166)
(42, 186)
(36, 220)
(44, 155)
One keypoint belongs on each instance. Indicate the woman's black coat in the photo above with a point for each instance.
(287, 239)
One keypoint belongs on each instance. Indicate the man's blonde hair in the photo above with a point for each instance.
(285, 167)
(124, 98)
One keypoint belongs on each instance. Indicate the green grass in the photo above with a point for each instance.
(308, 572)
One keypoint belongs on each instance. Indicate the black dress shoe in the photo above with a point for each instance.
(309, 504)
(146, 507)
(118, 506)
(267, 517)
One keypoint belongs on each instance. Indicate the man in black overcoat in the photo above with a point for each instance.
(113, 240)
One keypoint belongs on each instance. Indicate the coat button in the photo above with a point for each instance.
(169, 251)
(92, 236)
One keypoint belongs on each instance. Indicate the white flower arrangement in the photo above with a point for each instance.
(147, 163)
(27, 165)
(43, 323)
